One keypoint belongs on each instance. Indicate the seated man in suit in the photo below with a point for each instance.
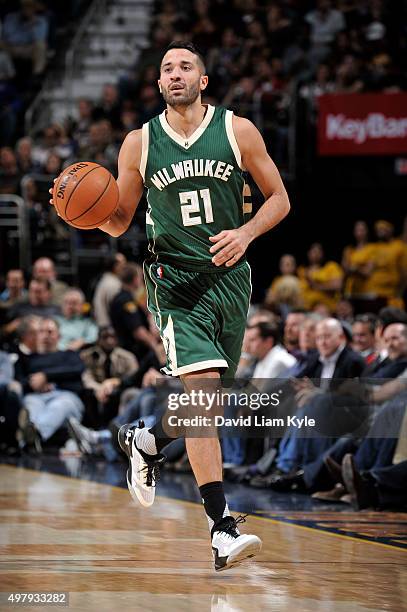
(383, 446)
(395, 342)
(333, 362)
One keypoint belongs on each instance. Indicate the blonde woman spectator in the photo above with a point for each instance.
(286, 289)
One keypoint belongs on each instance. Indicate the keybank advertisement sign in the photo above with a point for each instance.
(362, 124)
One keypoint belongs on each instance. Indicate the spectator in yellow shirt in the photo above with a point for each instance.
(353, 279)
(323, 279)
(383, 267)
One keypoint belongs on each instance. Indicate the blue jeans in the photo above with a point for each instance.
(49, 411)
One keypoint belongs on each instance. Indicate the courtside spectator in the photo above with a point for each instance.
(322, 279)
(15, 289)
(83, 122)
(292, 326)
(363, 337)
(395, 342)
(51, 386)
(344, 311)
(25, 161)
(26, 345)
(353, 278)
(39, 303)
(263, 343)
(44, 268)
(75, 329)
(108, 286)
(286, 289)
(128, 318)
(382, 268)
(107, 364)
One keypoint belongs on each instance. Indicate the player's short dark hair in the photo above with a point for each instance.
(267, 329)
(189, 46)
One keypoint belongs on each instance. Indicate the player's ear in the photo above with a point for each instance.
(159, 87)
(204, 82)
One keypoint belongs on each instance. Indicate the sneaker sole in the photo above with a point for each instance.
(136, 495)
(243, 552)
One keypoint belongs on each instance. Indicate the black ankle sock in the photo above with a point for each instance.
(161, 438)
(213, 498)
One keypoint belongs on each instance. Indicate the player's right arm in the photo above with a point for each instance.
(130, 183)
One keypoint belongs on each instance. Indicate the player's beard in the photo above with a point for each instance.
(188, 97)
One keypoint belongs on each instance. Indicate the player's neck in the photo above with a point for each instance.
(186, 119)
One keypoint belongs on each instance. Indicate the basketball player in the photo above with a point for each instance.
(190, 159)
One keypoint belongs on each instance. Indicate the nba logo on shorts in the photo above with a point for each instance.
(160, 272)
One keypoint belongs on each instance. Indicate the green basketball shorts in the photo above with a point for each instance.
(201, 316)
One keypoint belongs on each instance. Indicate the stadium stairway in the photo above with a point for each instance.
(108, 42)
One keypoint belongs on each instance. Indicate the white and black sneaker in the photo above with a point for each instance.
(144, 469)
(229, 547)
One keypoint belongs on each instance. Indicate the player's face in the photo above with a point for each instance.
(181, 79)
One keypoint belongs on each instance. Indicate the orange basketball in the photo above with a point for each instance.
(85, 195)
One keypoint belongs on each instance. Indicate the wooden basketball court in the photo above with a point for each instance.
(91, 540)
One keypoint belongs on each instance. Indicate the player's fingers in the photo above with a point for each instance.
(225, 254)
(219, 245)
(233, 260)
(219, 236)
(227, 251)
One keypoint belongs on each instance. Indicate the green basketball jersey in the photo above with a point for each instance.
(195, 188)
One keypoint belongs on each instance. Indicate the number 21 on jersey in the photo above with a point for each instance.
(190, 205)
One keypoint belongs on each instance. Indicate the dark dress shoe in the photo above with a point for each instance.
(240, 473)
(28, 436)
(361, 486)
(290, 484)
(264, 482)
(334, 495)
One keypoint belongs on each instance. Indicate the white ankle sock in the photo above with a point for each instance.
(145, 441)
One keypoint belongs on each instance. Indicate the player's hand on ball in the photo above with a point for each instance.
(51, 192)
(230, 246)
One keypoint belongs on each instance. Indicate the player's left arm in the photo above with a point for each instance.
(230, 245)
